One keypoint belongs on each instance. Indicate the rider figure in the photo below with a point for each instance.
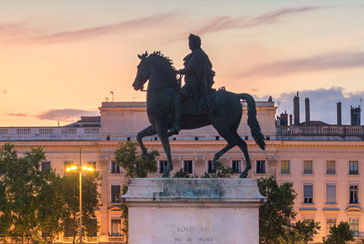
(199, 78)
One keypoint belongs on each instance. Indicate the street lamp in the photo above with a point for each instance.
(80, 169)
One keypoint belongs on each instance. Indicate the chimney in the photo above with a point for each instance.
(339, 113)
(355, 115)
(307, 110)
(290, 119)
(296, 110)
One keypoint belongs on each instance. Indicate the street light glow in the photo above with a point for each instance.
(77, 169)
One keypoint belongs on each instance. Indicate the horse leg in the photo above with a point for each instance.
(149, 131)
(244, 148)
(162, 131)
(229, 137)
(220, 153)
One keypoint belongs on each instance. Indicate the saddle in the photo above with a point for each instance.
(205, 106)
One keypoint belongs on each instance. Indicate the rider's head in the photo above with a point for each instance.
(194, 42)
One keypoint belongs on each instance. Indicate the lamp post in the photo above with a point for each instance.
(80, 169)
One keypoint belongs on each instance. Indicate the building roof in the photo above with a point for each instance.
(314, 123)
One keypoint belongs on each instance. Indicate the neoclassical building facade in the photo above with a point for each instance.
(323, 165)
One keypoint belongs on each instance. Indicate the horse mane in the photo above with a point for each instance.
(167, 62)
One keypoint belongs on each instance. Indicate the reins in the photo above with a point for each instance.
(178, 83)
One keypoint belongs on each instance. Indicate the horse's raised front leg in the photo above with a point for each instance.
(149, 131)
(162, 131)
(244, 148)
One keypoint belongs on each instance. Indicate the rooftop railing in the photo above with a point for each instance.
(327, 130)
(49, 133)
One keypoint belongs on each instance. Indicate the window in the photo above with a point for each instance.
(92, 164)
(67, 164)
(115, 193)
(330, 167)
(353, 191)
(116, 227)
(307, 167)
(353, 168)
(330, 193)
(285, 169)
(163, 165)
(210, 167)
(46, 166)
(115, 169)
(187, 166)
(354, 226)
(260, 167)
(330, 222)
(236, 165)
(307, 193)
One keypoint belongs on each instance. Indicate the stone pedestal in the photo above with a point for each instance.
(193, 211)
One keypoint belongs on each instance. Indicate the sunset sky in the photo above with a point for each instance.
(60, 59)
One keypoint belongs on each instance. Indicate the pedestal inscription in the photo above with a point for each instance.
(193, 211)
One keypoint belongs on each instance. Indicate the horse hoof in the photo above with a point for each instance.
(165, 174)
(244, 174)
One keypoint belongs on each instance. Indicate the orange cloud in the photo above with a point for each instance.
(273, 17)
(24, 32)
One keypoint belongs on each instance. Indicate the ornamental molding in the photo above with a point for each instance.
(272, 159)
(224, 160)
(104, 160)
(200, 161)
(176, 160)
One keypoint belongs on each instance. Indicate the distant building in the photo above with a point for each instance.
(323, 161)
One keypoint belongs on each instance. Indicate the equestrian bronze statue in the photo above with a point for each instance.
(221, 109)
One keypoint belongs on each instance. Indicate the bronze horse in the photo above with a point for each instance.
(225, 116)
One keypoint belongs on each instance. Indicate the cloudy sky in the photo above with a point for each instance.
(60, 59)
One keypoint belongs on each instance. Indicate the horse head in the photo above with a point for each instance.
(142, 73)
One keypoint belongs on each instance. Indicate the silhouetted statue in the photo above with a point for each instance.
(199, 78)
(224, 115)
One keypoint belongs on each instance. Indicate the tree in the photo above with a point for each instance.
(22, 181)
(51, 207)
(136, 165)
(5, 216)
(277, 214)
(182, 174)
(90, 202)
(302, 231)
(340, 234)
(222, 171)
(30, 201)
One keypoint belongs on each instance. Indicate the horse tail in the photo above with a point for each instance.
(252, 120)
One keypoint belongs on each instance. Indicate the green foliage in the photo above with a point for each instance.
(22, 182)
(302, 231)
(276, 215)
(34, 202)
(51, 205)
(340, 234)
(5, 216)
(222, 171)
(136, 165)
(90, 202)
(182, 174)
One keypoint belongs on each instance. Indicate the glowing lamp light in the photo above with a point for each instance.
(76, 169)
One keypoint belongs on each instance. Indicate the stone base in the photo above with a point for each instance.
(193, 211)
